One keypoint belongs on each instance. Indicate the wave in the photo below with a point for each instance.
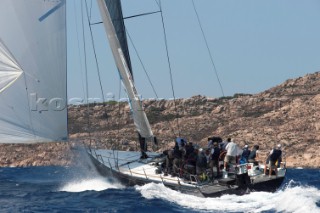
(290, 199)
(94, 184)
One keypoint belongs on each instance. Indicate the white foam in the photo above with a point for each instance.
(295, 199)
(95, 184)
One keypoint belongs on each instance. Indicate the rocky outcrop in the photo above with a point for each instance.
(286, 114)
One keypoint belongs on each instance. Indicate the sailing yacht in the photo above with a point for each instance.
(33, 91)
(132, 168)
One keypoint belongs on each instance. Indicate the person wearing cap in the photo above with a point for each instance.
(274, 157)
(181, 141)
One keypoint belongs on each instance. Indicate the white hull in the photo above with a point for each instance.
(127, 167)
(129, 163)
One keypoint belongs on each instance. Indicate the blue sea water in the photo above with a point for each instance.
(70, 189)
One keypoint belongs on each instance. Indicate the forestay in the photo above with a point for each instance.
(33, 71)
(139, 116)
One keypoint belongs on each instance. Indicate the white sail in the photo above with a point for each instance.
(9, 68)
(139, 116)
(33, 71)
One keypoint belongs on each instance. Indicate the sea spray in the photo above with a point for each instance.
(290, 199)
(35, 189)
(95, 184)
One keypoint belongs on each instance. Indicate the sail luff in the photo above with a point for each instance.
(139, 116)
(115, 10)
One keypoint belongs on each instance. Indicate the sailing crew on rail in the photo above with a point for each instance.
(201, 164)
(143, 147)
(253, 155)
(224, 144)
(214, 160)
(275, 158)
(179, 153)
(231, 155)
(245, 154)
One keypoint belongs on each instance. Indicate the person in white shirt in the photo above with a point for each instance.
(232, 152)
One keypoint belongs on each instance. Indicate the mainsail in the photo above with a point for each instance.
(33, 87)
(119, 51)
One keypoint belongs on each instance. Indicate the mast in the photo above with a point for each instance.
(123, 63)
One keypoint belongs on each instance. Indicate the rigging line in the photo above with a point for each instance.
(142, 14)
(205, 39)
(172, 129)
(119, 112)
(143, 67)
(157, 3)
(169, 64)
(170, 125)
(99, 22)
(95, 57)
(29, 107)
(90, 10)
(78, 42)
(86, 73)
(128, 17)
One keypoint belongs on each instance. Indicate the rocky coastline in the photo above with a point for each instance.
(287, 114)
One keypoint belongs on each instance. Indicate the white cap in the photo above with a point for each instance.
(279, 145)
(245, 146)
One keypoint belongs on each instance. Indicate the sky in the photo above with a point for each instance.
(255, 45)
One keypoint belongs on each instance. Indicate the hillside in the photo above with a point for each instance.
(286, 114)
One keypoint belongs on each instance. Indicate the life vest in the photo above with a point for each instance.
(192, 159)
(170, 154)
(202, 161)
(253, 154)
(275, 155)
(216, 153)
(177, 153)
(246, 153)
(189, 150)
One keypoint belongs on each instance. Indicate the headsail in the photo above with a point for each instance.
(115, 11)
(33, 71)
(140, 119)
